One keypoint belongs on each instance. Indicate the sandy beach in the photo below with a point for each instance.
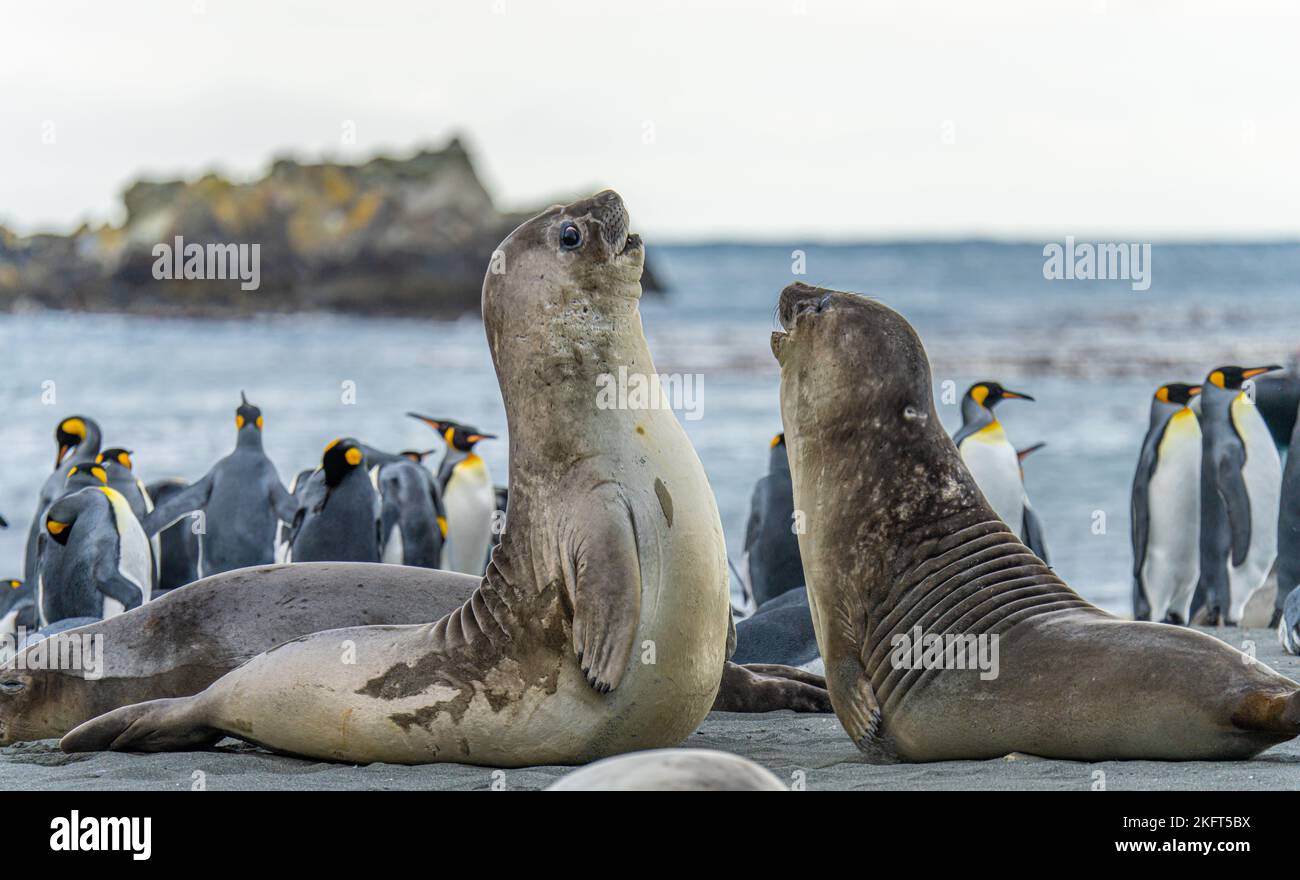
(807, 750)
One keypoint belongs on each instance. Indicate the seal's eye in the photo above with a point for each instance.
(570, 236)
(912, 414)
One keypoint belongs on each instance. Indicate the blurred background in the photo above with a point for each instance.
(924, 153)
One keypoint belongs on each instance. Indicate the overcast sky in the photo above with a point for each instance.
(756, 119)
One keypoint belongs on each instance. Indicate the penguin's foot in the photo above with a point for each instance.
(768, 687)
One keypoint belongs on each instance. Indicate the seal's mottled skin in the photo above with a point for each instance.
(601, 624)
(899, 536)
(180, 643)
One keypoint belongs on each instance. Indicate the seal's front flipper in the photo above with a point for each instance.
(156, 726)
(769, 687)
(606, 591)
(1269, 713)
(855, 701)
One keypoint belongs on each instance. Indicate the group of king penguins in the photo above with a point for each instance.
(1216, 518)
(1214, 514)
(103, 542)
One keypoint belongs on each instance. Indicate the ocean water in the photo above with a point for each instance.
(1091, 352)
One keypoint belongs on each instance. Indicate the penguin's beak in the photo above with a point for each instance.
(58, 459)
(437, 424)
(1016, 395)
(474, 438)
(1194, 390)
(1259, 371)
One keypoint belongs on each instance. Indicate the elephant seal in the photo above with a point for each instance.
(671, 770)
(180, 643)
(601, 624)
(901, 542)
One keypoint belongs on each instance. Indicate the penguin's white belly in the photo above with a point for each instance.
(992, 462)
(1263, 475)
(394, 552)
(135, 554)
(470, 502)
(1172, 564)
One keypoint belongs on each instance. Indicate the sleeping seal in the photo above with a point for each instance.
(907, 545)
(601, 624)
(671, 770)
(183, 641)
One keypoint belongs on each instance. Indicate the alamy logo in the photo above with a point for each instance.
(1111, 261)
(652, 391)
(213, 262)
(102, 834)
(922, 650)
(72, 652)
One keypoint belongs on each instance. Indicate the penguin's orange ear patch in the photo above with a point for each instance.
(239, 421)
(1217, 379)
(259, 423)
(1163, 395)
(353, 456)
(979, 394)
(54, 527)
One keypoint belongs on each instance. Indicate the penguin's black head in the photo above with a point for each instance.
(1177, 392)
(61, 518)
(247, 416)
(115, 454)
(457, 436)
(1230, 378)
(778, 440)
(70, 434)
(341, 458)
(91, 475)
(990, 394)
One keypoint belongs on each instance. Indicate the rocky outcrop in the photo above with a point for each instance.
(386, 237)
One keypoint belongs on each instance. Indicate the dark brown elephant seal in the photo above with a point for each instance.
(899, 537)
(601, 624)
(181, 642)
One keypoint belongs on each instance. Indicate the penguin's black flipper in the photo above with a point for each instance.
(4, 524)
(1236, 501)
(113, 584)
(1035, 540)
(174, 507)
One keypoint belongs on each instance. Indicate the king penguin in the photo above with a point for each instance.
(242, 500)
(989, 456)
(17, 610)
(1288, 523)
(338, 520)
(1241, 477)
(413, 521)
(94, 558)
(1166, 509)
(771, 535)
(467, 494)
(79, 439)
(1033, 535)
(178, 560)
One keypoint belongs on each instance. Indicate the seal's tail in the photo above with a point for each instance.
(1269, 713)
(157, 726)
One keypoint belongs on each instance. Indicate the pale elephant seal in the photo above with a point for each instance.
(180, 643)
(900, 542)
(601, 624)
(671, 770)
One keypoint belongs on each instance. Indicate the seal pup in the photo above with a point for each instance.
(671, 770)
(1241, 479)
(181, 642)
(910, 544)
(601, 624)
(1166, 508)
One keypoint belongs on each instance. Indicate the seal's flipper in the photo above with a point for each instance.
(769, 687)
(855, 700)
(157, 726)
(606, 592)
(1269, 713)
